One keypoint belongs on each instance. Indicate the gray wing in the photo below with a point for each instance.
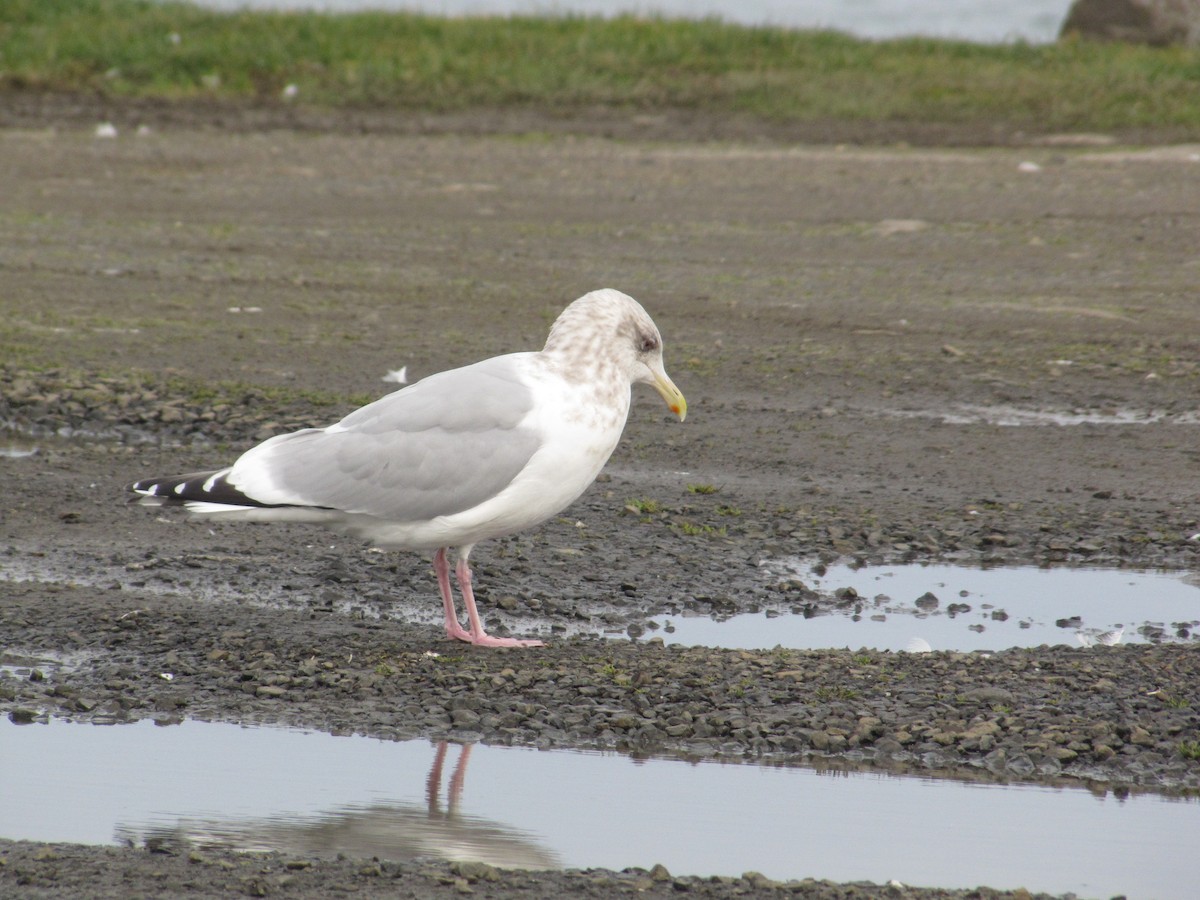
(438, 447)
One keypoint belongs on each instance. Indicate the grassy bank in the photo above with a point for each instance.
(175, 50)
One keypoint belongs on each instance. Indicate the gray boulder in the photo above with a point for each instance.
(1157, 22)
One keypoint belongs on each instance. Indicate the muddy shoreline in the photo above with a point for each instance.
(850, 326)
(36, 109)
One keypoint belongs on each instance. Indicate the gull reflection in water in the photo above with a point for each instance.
(396, 831)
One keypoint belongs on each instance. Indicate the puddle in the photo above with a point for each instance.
(976, 609)
(17, 450)
(24, 437)
(944, 607)
(316, 794)
(17, 664)
(1015, 416)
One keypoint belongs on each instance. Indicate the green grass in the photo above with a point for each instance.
(176, 51)
(693, 530)
(1173, 701)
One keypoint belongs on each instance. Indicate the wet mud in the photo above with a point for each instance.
(172, 297)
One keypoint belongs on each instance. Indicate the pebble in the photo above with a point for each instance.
(946, 712)
(1020, 712)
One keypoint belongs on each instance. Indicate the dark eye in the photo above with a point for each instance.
(649, 344)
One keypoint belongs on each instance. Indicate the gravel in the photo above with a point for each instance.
(56, 870)
(811, 346)
(1120, 716)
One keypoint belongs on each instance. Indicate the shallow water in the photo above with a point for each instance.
(1036, 21)
(315, 794)
(14, 663)
(975, 609)
(1017, 416)
(17, 442)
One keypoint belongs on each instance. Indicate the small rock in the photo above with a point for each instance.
(888, 227)
(475, 871)
(759, 881)
(1154, 22)
(982, 729)
(928, 600)
(1140, 736)
(1021, 764)
(659, 873)
(989, 695)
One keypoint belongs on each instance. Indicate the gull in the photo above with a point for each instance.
(473, 453)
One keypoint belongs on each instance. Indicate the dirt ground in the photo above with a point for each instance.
(848, 322)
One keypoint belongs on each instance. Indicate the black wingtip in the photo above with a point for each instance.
(147, 486)
(176, 488)
(199, 487)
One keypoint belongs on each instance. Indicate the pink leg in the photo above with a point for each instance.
(457, 779)
(434, 783)
(454, 630)
(477, 635)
